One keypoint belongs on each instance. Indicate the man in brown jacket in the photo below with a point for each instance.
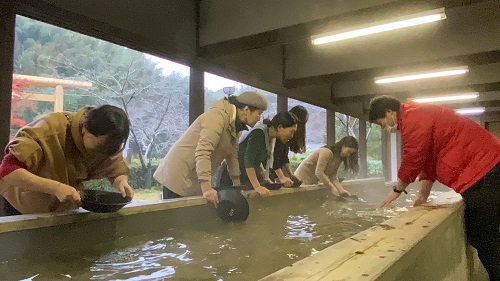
(49, 159)
(187, 168)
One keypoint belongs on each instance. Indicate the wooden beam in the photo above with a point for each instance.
(59, 99)
(37, 81)
(39, 97)
(303, 32)
(369, 73)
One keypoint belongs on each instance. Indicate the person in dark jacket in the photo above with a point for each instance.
(439, 144)
(297, 144)
(255, 154)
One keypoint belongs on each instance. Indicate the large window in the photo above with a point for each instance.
(316, 125)
(90, 72)
(346, 125)
(214, 91)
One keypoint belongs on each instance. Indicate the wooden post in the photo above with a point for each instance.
(59, 84)
(330, 127)
(7, 35)
(282, 103)
(363, 161)
(386, 157)
(59, 99)
(196, 93)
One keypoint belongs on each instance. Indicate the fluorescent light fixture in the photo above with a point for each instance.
(422, 75)
(470, 111)
(397, 23)
(448, 98)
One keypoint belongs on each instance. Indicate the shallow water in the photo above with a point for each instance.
(280, 231)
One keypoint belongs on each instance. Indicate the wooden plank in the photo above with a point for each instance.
(53, 82)
(39, 97)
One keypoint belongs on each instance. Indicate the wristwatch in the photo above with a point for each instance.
(398, 191)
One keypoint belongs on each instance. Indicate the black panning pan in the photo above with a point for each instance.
(99, 201)
(271, 186)
(233, 206)
(297, 183)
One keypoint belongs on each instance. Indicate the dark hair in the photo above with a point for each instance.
(379, 105)
(351, 162)
(232, 100)
(110, 121)
(284, 119)
(298, 141)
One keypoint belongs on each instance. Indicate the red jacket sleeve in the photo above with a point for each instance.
(417, 137)
(428, 172)
(9, 164)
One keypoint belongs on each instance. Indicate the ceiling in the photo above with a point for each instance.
(267, 44)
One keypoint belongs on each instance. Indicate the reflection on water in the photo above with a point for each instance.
(275, 236)
(300, 227)
(145, 260)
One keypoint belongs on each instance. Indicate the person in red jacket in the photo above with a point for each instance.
(439, 144)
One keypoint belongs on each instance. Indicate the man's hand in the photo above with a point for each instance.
(388, 200)
(209, 192)
(121, 184)
(423, 193)
(236, 182)
(421, 199)
(212, 196)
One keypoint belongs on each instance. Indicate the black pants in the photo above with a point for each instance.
(169, 194)
(7, 209)
(482, 220)
(223, 180)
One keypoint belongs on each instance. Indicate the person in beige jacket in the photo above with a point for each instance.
(187, 168)
(49, 159)
(322, 165)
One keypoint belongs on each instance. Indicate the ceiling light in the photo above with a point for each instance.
(448, 98)
(422, 75)
(470, 111)
(397, 23)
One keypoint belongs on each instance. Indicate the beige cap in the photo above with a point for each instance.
(254, 99)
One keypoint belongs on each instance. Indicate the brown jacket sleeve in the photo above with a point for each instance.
(324, 158)
(47, 133)
(26, 150)
(212, 127)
